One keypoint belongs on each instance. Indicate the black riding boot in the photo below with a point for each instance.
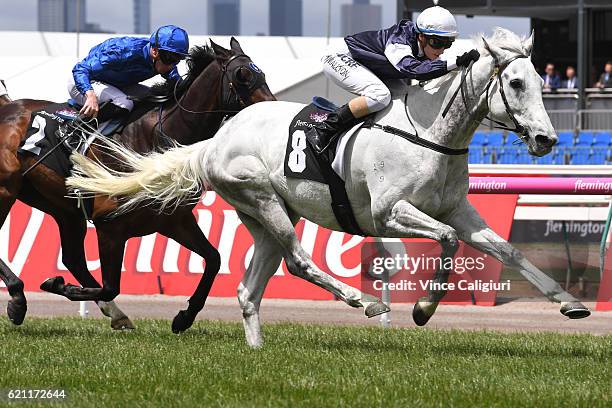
(115, 114)
(321, 135)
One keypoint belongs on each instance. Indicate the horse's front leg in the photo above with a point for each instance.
(111, 244)
(406, 221)
(475, 232)
(72, 235)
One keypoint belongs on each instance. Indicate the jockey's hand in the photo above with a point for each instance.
(465, 59)
(90, 107)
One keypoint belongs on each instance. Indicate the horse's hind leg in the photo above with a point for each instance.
(267, 256)
(260, 201)
(185, 230)
(10, 182)
(475, 232)
(72, 236)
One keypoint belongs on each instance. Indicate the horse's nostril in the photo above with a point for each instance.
(544, 140)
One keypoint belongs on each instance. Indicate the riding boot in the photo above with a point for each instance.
(321, 135)
(115, 115)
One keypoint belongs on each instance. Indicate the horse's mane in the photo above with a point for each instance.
(504, 39)
(199, 58)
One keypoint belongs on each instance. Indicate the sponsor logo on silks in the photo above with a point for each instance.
(318, 117)
(67, 113)
(254, 67)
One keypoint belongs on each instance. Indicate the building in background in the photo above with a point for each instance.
(61, 15)
(223, 17)
(360, 16)
(286, 17)
(65, 16)
(142, 16)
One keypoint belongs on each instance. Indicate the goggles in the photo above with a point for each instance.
(439, 42)
(169, 58)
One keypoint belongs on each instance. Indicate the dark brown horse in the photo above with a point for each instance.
(219, 82)
(4, 97)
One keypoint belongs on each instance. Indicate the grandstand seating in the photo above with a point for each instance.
(584, 147)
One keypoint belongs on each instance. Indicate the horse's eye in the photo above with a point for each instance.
(516, 84)
(244, 75)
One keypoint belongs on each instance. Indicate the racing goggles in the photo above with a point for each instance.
(169, 58)
(439, 42)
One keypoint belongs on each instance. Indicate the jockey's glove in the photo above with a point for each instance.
(465, 59)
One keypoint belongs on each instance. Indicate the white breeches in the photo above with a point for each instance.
(348, 74)
(105, 92)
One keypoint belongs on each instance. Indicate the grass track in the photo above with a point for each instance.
(302, 365)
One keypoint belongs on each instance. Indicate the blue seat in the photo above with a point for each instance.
(560, 154)
(548, 159)
(512, 138)
(478, 155)
(598, 155)
(495, 139)
(523, 156)
(507, 156)
(565, 139)
(479, 139)
(585, 139)
(580, 155)
(602, 138)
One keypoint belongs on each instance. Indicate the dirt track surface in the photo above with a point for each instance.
(517, 316)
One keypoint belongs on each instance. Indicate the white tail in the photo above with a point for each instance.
(163, 180)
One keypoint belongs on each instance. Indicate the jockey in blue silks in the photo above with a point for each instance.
(404, 51)
(117, 65)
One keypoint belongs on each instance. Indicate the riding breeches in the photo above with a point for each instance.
(105, 92)
(348, 74)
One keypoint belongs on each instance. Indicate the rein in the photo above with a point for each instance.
(518, 129)
(239, 92)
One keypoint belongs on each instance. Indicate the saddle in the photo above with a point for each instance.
(302, 162)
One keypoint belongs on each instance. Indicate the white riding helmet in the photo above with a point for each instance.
(437, 21)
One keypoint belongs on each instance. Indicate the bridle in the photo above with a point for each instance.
(518, 129)
(235, 95)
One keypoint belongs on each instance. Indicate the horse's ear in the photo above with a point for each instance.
(528, 44)
(235, 46)
(496, 52)
(219, 50)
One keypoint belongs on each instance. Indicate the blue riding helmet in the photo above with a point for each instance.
(171, 38)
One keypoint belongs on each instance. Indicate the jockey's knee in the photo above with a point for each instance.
(377, 98)
(123, 102)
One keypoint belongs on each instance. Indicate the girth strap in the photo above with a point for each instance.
(416, 139)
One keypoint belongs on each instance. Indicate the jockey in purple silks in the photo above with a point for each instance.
(404, 51)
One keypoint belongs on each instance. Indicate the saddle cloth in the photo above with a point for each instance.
(303, 163)
(42, 137)
(300, 159)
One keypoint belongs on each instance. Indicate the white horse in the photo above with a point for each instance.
(396, 188)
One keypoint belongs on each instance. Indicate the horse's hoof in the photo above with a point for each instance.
(53, 285)
(375, 309)
(182, 321)
(575, 310)
(16, 309)
(122, 323)
(420, 314)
